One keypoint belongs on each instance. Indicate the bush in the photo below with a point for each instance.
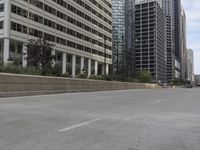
(94, 77)
(11, 68)
(144, 76)
(66, 75)
(106, 77)
(82, 76)
(178, 82)
(32, 71)
(17, 62)
(52, 72)
(135, 81)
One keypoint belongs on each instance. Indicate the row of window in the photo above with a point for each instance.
(70, 19)
(83, 4)
(105, 1)
(54, 25)
(39, 34)
(54, 12)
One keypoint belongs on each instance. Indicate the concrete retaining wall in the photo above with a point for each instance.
(21, 83)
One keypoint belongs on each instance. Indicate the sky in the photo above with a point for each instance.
(192, 8)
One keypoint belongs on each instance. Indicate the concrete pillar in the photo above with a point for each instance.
(64, 63)
(53, 62)
(24, 55)
(89, 67)
(96, 68)
(107, 69)
(73, 66)
(102, 69)
(82, 64)
(7, 24)
(6, 50)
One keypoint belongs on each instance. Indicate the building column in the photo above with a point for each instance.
(73, 66)
(82, 65)
(102, 69)
(96, 68)
(64, 62)
(6, 50)
(107, 69)
(89, 67)
(53, 62)
(7, 24)
(24, 55)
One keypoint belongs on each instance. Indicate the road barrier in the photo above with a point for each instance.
(33, 84)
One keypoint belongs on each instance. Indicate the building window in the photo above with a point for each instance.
(1, 24)
(1, 7)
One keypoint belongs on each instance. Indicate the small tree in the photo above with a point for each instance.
(144, 76)
(39, 53)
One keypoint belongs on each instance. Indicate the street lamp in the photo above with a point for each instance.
(105, 38)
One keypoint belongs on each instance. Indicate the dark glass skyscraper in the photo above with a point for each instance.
(177, 28)
(123, 37)
(167, 7)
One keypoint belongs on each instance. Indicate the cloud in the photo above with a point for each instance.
(192, 8)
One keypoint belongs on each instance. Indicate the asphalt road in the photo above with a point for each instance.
(165, 119)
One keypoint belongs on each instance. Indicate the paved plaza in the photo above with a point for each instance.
(163, 119)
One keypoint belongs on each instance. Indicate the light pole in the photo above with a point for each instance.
(117, 54)
(122, 57)
(105, 55)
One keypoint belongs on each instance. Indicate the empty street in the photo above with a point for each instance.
(163, 119)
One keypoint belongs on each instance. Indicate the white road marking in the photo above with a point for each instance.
(78, 125)
(158, 101)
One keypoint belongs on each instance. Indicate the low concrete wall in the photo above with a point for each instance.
(22, 83)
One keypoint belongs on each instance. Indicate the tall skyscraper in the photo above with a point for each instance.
(177, 28)
(144, 1)
(129, 37)
(150, 37)
(169, 22)
(123, 37)
(77, 28)
(183, 45)
(177, 36)
(190, 65)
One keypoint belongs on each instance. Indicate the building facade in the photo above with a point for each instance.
(177, 32)
(197, 79)
(150, 37)
(183, 45)
(168, 11)
(190, 65)
(123, 37)
(177, 27)
(81, 31)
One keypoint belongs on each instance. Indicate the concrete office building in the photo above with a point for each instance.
(76, 27)
(167, 6)
(183, 45)
(150, 37)
(190, 65)
(177, 70)
(123, 37)
(197, 79)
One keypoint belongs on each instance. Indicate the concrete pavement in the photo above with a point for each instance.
(159, 119)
